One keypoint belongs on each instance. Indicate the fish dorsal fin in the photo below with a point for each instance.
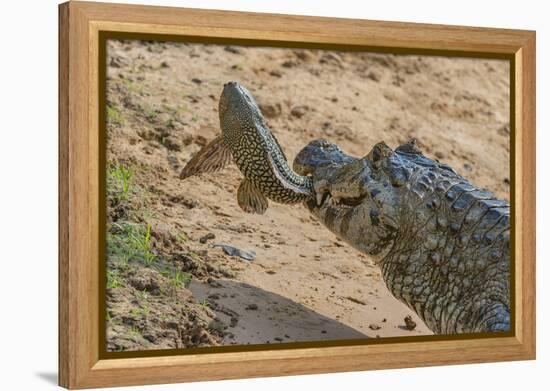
(250, 198)
(213, 157)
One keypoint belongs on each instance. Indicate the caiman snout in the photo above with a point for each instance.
(322, 160)
(317, 154)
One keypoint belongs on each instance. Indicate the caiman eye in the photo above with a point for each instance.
(379, 152)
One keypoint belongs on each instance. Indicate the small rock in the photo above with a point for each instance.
(232, 49)
(302, 55)
(467, 167)
(355, 300)
(117, 62)
(196, 80)
(146, 134)
(162, 233)
(216, 325)
(409, 323)
(143, 283)
(187, 139)
(213, 283)
(279, 339)
(374, 326)
(173, 161)
(164, 64)
(207, 237)
(504, 130)
(252, 307)
(373, 76)
(276, 74)
(439, 155)
(200, 141)
(149, 337)
(236, 252)
(193, 98)
(298, 111)
(233, 322)
(270, 111)
(506, 181)
(289, 64)
(331, 58)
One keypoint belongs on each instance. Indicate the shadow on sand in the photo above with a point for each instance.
(256, 316)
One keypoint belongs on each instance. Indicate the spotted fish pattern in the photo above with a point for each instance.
(247, 139)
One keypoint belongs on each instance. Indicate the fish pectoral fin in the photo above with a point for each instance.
(213, 157)
(250, 199)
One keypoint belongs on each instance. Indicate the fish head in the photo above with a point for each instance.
(238, 110)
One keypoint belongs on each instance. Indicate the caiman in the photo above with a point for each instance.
(441, 242)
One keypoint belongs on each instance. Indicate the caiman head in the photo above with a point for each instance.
(356, 198)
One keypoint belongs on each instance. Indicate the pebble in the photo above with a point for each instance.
(409, 323)
(207, 237)
(232, 49)
(298, 111)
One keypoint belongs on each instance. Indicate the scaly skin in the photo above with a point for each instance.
(255, 150)
(442, 244)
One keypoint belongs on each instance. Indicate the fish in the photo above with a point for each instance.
(246, 140)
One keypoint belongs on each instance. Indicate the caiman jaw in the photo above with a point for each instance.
(318, 159)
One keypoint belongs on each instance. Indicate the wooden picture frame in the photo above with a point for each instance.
(81, 25)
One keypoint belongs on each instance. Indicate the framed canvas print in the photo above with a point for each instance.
(247, 195)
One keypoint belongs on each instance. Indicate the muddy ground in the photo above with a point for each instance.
(168, 286)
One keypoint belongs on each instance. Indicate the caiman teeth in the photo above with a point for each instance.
(322, 197)
(319, 198)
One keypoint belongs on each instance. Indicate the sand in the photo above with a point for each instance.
(304, 284)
